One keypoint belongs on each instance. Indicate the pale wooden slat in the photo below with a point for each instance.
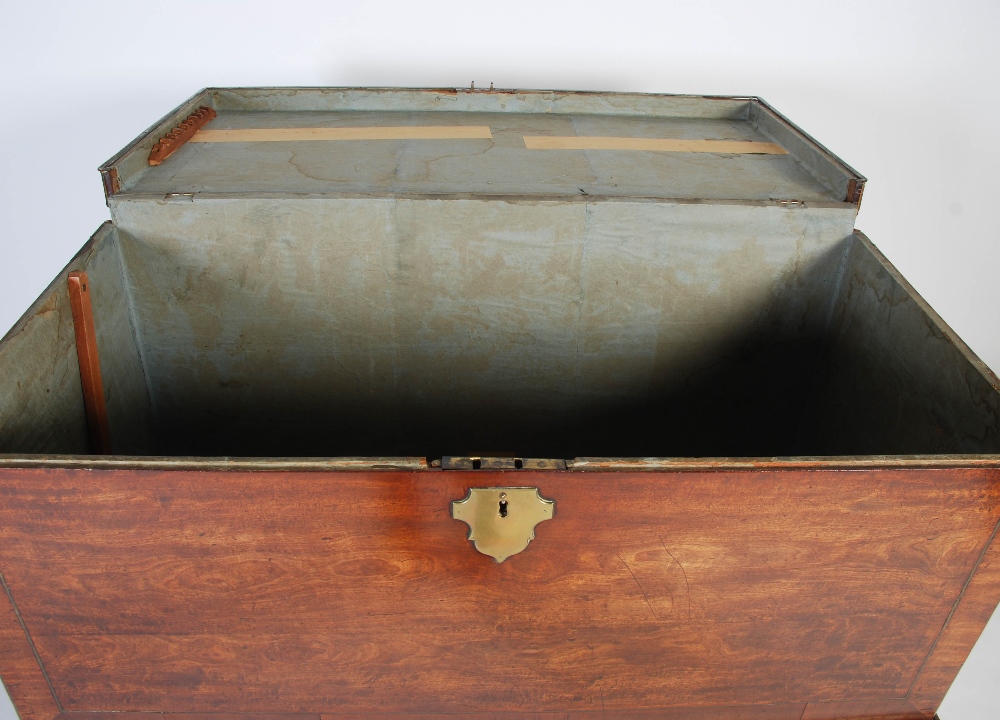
(430, 132)
(544, 142)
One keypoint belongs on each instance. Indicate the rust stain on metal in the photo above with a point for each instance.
(173, 140)
(90, 365)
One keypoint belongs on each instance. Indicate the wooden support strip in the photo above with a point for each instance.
(432, 132)
(90, 365)
(545, 142)
(173, 140)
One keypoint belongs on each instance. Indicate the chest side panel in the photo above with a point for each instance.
(195, 592)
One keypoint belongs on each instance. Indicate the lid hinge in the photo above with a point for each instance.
(476, 462)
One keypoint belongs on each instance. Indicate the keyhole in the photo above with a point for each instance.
(503, 505)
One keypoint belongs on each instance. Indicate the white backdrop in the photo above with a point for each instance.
(903, 91)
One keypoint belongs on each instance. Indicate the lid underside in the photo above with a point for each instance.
(536, 144)
(499, 162)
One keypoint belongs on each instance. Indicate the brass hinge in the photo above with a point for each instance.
(475, 462)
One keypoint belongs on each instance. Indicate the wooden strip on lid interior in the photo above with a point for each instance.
(544, 142)
(433, 132)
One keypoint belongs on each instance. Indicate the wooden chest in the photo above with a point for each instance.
(717, 459)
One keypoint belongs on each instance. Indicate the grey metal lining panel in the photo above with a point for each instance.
(848, 208)
(130, 416)
(943, 330)
(39, 353)
(396, 310)
(900, 379)
(461, 100)
(820, 162)
(41, 398)
(78, 262)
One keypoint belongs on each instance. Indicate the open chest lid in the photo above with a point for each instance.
(402, 272)
(484, 143)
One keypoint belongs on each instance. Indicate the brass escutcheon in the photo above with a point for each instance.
(502, 520)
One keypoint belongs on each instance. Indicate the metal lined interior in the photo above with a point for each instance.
(421, 283)
(555, 349)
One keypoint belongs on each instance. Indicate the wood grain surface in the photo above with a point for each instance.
(884, 710)
(19, 669)
(784, 711)
(899, 709)
(770, 594)
(962, 629)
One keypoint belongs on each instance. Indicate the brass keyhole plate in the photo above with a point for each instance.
(502, 520)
